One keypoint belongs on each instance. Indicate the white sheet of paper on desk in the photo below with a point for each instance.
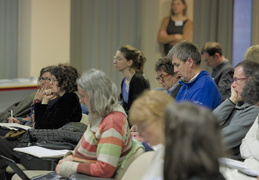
(240, 166)
(14, 126)
(42, 152)
(232, 163)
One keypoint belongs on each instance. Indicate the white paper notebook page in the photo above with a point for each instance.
(42, 152)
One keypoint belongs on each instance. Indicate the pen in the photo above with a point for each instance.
(11, 116)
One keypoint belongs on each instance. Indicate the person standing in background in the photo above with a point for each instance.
(176, 27)
(130, 62)
(222, 70)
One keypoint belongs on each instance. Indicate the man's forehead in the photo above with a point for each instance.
(175, 59)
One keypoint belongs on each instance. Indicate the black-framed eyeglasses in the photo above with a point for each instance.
(44, 79)
(162, 77)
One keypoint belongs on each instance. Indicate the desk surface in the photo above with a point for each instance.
(18, 84)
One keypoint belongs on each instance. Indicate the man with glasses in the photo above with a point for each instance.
(222, 70)
(166, 76)
(197, 85)
(234, 115)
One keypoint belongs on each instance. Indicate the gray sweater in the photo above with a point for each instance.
(236, 120)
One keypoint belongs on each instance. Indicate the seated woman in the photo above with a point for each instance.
(130, 62)
(66, 108)
(146, 114)
(107, 139)
(22, 110)
(44, 82)
(193, 143)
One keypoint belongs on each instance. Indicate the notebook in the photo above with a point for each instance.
(23, 176)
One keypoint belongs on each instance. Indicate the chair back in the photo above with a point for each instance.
(84, 119)
(138, 167)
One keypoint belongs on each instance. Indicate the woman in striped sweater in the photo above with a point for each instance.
(107, 139)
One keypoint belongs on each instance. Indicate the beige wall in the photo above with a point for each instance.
(44, 35)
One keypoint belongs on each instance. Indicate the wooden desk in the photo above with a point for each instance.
(14, 90)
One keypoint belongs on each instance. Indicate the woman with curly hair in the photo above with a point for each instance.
(66, 108)
(50, 113)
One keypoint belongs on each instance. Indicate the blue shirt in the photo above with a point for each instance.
(201, 91)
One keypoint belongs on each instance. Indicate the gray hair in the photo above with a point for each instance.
(101, 91)
(184, 50)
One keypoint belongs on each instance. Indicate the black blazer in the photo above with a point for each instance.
(138, 84)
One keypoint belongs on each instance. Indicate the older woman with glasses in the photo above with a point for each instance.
(166, 76)
(66, 107)
(22, 110)
(50, 113)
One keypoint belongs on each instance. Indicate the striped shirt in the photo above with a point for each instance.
(102, 147)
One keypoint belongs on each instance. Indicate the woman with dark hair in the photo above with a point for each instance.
(22, 111)
(130, 62)
(193, 143)
(66, 108)
(50, 113)
(176, 27)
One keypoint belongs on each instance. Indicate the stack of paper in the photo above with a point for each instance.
(42, 152)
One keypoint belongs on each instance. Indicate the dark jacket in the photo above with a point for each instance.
(66, 109)
(69, 134)
(137, 85)
(223, 77)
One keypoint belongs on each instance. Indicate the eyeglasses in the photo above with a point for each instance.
(53, 80)
(162, 77)
(237, 80)
(44, 79)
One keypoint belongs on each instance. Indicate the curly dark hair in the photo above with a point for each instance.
(250, 93)
(165, 64)
(66, 76)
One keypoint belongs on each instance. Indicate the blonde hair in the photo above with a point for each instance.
(252, 53)
(150, 106)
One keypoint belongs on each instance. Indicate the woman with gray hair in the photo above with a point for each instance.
(107, 139)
